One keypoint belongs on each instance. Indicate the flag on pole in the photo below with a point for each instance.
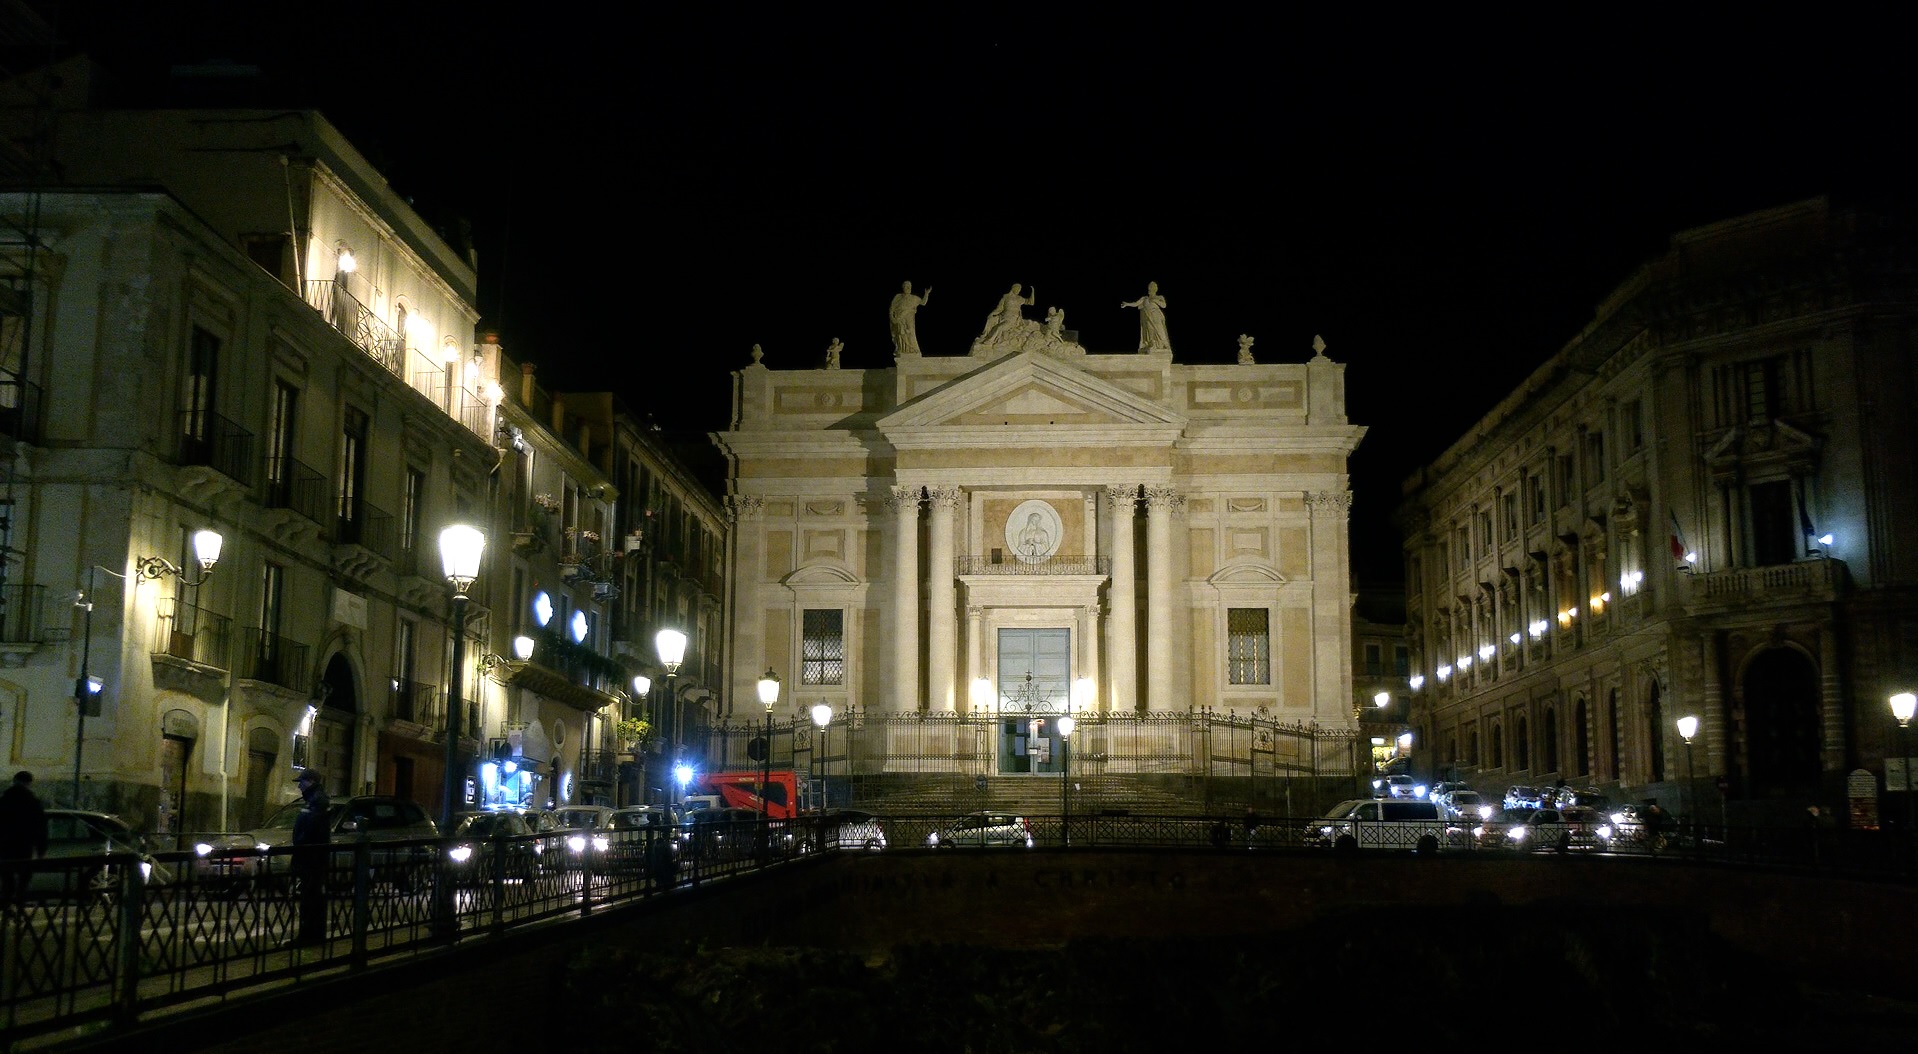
(1678, 541)
(1804, 513)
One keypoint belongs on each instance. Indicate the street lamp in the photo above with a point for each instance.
(86, 689)
(671, 644)
(1066, 725)
(1903, 705)
(768, 694)
(1687, 728)
(460, 549)
(822, 720)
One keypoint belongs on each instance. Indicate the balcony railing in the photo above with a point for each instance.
(19, 409)
(1012, 565)
(271, 658)
(415, 702)
(22, 614)
(358, 323)
(598, 766)
(1806, 580)
(211, 440)
(193, 633)
(292, 484)
(368, 527)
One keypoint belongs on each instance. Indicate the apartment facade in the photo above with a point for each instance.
(1698, 507)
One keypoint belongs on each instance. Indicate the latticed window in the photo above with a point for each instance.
(822, 646)
(1248, 646)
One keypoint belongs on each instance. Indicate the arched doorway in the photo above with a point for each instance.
(1655, 729)
(1582, 738)
(1780, 726)
(262, 751)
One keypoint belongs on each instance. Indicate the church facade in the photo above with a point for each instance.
(957, 552)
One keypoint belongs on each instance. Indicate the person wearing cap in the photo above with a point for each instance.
(311, 835)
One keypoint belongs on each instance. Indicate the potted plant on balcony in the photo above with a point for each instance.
(634, 732)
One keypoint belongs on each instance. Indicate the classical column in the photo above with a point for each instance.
(904, 502)
(942, 600)
(749, 573)
(1122, 641)
(1159, 503)
(1711, 711)
(1831, 702)
(1332, 606)
(975, 639)
(1089, 651)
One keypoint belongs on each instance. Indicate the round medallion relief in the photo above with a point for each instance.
(1033, 531)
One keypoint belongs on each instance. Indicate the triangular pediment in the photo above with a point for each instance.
(1029, 390)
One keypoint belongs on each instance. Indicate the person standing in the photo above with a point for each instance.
(23, 837)
(312, 835)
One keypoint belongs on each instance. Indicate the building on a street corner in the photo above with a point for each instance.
(227, 321)
(959, 551)
(1699, 506)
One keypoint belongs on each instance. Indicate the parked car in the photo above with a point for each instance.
(983, 829)
(1526, 830)
(633, 830)
(851, 829)
(82, 833)
(1386, 823)
(235, 861)
(1445, 787)
(724, 833)
(1318, 834)
(1466, 805)
(493, 844)
(1398, 787)
(1521, 796)
(572, 830)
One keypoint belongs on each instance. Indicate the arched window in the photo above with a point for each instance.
(1498, 746)
(1617, 735)
(1471, 748)
(1521, 743)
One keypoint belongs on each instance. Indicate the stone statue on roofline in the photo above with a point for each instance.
(1245, 350)
(832, 353)
(1009, 332)
(1152, 334)
(905, 310)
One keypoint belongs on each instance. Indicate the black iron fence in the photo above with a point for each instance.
(106, 939)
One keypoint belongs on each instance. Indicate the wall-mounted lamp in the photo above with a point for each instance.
(206, 549)
(348, 262)
(522, 647)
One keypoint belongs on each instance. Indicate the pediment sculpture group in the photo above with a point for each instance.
(1008, 331)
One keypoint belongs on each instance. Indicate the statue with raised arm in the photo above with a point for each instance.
(1152, 335)
(905, 309)
(1245, 350)
(1006, 316)
(832, 353)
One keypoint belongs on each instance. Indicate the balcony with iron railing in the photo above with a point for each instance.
(1007, 564)
(292, 484)
(217, 443)
(414, 702)
(367, 526)
(20, 402)
(187, 631)
(22, 614)
(1805, 581)
(388, 347)
(598, 766)
(271, 658)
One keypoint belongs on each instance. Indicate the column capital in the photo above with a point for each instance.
(901, 499)
(1164, 499)
(745, 506)
(1327, 501)
(944, 497)
(1122, 495)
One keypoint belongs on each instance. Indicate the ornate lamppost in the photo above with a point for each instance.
(769, 695)
(1903, 706)
(672, 650)
(1688, 728)
(1066, 724)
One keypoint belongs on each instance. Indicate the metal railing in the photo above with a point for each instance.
(367, 526)
(187, 631)
(293, 484)
(415, 702)
(20, 402)
(106, 939)
(22, 614)
(211, 440)
(1010, 564)
(271, 658)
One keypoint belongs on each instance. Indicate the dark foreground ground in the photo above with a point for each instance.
(1567, 980)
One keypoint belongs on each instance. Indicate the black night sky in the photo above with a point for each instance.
(1444, 197)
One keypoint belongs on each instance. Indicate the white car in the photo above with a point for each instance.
(1398, 787)
(983, 829)
(1466, 804)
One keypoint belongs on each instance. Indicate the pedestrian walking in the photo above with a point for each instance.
(23, 837)
(312, 835)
